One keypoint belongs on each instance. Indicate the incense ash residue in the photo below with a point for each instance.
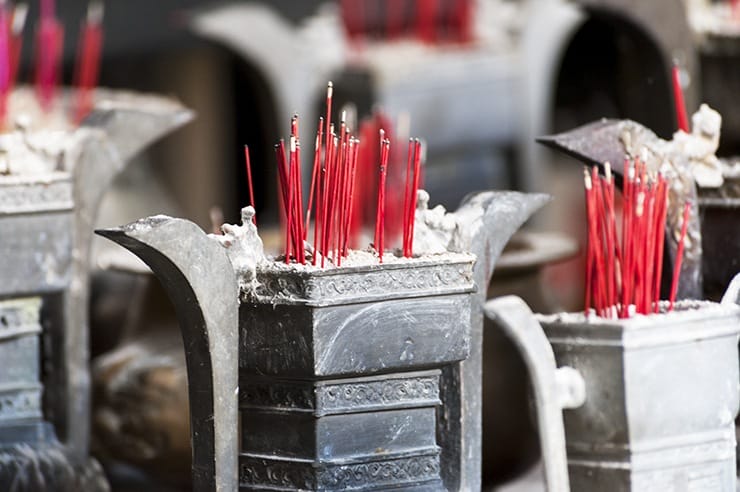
(437, 236)
(681, 311)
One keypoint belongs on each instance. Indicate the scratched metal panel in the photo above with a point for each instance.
(362, 338)
(37, 252)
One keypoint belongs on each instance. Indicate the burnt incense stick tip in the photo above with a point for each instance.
(587, 178)
(20, 14)
(329, 90)
(608, 171)
(95, 11)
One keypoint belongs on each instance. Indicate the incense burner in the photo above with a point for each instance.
(46, 220)
(650, 401)
(360, 377)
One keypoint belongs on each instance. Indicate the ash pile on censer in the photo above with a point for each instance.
(333, 192)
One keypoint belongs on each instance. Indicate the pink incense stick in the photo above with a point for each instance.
(681, 117)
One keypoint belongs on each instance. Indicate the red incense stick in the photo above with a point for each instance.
(680, 105)
(679, 255)
(314, 175)
(414, 192)
(380, 221)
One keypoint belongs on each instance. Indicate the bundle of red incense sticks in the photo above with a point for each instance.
(623, 275)
(49, 46)
(431, 21)
(333, 191)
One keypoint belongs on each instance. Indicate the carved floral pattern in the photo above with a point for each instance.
(386, 392)
(341, 397)
(370, 282)
(398, 471)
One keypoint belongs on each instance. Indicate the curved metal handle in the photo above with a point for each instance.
(200, 281)
(554, 388)
(732, 294)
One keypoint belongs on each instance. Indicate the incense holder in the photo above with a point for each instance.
(649, 401)
(360, 377)
(47, 210)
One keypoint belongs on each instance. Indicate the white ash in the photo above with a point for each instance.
(244, 248)
(434, 229)
(37, 140)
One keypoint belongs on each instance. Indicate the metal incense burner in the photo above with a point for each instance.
(361, 377)
(649, 401)
(46, 222)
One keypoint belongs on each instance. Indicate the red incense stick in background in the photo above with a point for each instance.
(49, 43)
(681, 117)
(426, 19)
(87, 67)
(5, 63)
(380, 201)
(679, 254)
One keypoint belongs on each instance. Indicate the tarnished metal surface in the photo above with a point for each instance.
(329, 359)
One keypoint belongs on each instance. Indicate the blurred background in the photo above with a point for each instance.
(477, 80)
